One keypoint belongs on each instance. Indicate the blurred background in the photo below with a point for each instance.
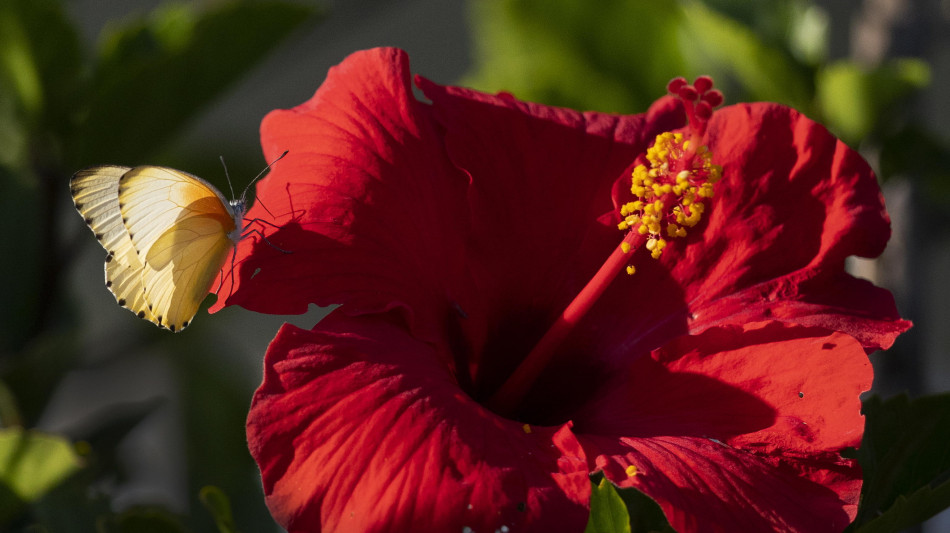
(135, 422)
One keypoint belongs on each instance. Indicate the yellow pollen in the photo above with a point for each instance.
(669, 191)
(625, 246)
(631, 270)
(526, 428)
(632, 471)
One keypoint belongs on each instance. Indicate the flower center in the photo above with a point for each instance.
(669, 198)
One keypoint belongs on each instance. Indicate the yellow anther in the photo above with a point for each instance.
(625, 246)
(632, 471)
(631, 270)
(526, 428)
(669, 191)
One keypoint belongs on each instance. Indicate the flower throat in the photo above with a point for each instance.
(668, 190)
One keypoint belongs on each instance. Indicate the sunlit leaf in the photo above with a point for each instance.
(608, 514)
(613, 509)
(31, 464)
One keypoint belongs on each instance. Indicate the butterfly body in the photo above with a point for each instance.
(167, 234)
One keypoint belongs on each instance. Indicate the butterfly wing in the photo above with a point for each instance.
(180, 267)
(181, 229)
(95, 193)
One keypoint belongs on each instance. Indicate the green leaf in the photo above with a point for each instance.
(854, 99)
(608, 513)
(31, 464)
(613, 509)
(155, 75)
(910, 510)
(218, 504)
(905, 462)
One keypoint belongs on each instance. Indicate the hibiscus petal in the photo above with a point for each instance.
(707, 486)
(360, 427)
(794, 202)
(541, 178)
(367, 202)
(736, 426)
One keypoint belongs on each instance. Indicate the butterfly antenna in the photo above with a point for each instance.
(221, 157)
(261, 174)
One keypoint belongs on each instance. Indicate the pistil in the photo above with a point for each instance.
(514, 389)
(669, 198)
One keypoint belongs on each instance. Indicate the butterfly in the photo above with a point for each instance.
(167, 233)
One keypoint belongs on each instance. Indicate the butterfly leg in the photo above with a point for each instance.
(261, 235)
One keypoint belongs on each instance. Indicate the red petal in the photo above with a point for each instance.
(366, 198)
(540, 179)
(736, 421)
(360, 427)
(706, 486)
(377, 217)
(793, 203)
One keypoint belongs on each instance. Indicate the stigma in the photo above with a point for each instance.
(678, 175)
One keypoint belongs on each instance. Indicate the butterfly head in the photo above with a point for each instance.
(238, 209)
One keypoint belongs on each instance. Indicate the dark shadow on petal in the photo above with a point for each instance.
(636, 315)
(685, 405)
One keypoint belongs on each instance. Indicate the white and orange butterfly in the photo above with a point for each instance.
(167, 234)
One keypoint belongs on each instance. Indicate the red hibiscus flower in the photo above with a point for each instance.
(721, 379)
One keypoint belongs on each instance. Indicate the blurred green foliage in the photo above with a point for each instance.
(64, 107)
(31, 464)
(616, 56)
